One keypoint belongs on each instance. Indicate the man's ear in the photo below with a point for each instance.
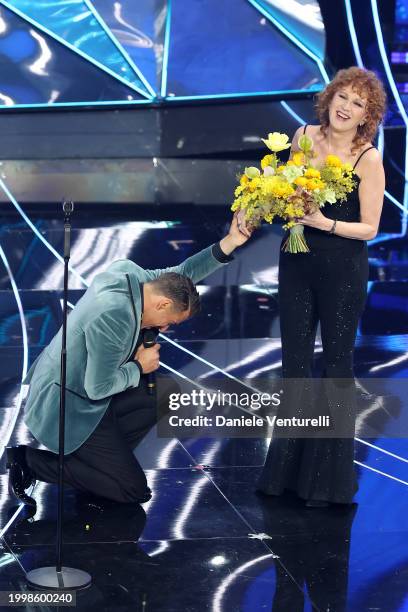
(164, 303)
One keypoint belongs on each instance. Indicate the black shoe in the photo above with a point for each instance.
(20, 475)
(17, 455)
(316, 503)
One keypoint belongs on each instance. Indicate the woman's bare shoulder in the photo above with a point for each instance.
(369, 151)
(370, 159)
(312, 129)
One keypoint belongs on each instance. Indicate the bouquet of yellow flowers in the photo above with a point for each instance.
(291, 190)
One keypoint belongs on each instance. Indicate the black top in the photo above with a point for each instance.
(349, 210)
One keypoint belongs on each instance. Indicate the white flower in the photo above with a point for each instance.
(291, 173)
(329, 195)
(269, 171)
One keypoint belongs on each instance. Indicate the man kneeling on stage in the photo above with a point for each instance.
(108, 407)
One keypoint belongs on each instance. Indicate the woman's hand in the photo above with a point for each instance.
(316, 219)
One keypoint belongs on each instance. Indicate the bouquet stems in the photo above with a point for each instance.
(296, 243)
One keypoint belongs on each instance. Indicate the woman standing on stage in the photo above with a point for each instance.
(329, 284)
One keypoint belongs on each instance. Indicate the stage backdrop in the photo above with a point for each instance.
(82, 52)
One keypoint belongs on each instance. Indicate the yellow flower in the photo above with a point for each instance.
(333, 160)
(254, 184)
(301, 181)
(294, 211)
(276, 187)
(266, 161)
(290, 163)
(312, 173)
(280, 168)
(244, 180)
(315, 183)
(347, 167)
(336, 172)
(283, 191)
(298, 158)
(277, 142)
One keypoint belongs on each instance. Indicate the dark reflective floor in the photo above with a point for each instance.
(207, 540)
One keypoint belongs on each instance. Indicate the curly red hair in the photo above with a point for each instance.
(368, 86)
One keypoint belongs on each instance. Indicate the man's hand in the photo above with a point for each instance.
(148, 358)
(242, 225)
(237, 236)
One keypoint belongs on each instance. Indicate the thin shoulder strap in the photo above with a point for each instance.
(361, 155)
(304, 129)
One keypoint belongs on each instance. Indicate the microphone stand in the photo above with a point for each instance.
(60, 578)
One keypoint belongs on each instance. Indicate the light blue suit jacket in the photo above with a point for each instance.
(101, 337)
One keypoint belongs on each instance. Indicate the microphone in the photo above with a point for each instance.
(67, 207)
(149, 340)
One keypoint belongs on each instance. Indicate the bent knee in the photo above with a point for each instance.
(128, 497)
(132, 490)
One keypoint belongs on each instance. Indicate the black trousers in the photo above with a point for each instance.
(105, 464)
(329, 286)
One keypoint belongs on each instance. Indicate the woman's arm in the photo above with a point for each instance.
(371, 195)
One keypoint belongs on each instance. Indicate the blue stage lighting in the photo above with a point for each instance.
(293, 39)
(96, 57)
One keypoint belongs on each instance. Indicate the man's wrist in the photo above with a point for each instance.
(227, 245)
(221, 252)
(139, 365)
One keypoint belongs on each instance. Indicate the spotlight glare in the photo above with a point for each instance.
(218, 560)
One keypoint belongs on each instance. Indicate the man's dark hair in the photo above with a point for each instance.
(180, 289)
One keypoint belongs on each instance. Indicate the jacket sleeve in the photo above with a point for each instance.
(105, 337)
(197, 266)
(30, 373)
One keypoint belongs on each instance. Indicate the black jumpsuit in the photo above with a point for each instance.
(327, 285)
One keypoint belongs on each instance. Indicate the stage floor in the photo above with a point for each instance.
(206, 540)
